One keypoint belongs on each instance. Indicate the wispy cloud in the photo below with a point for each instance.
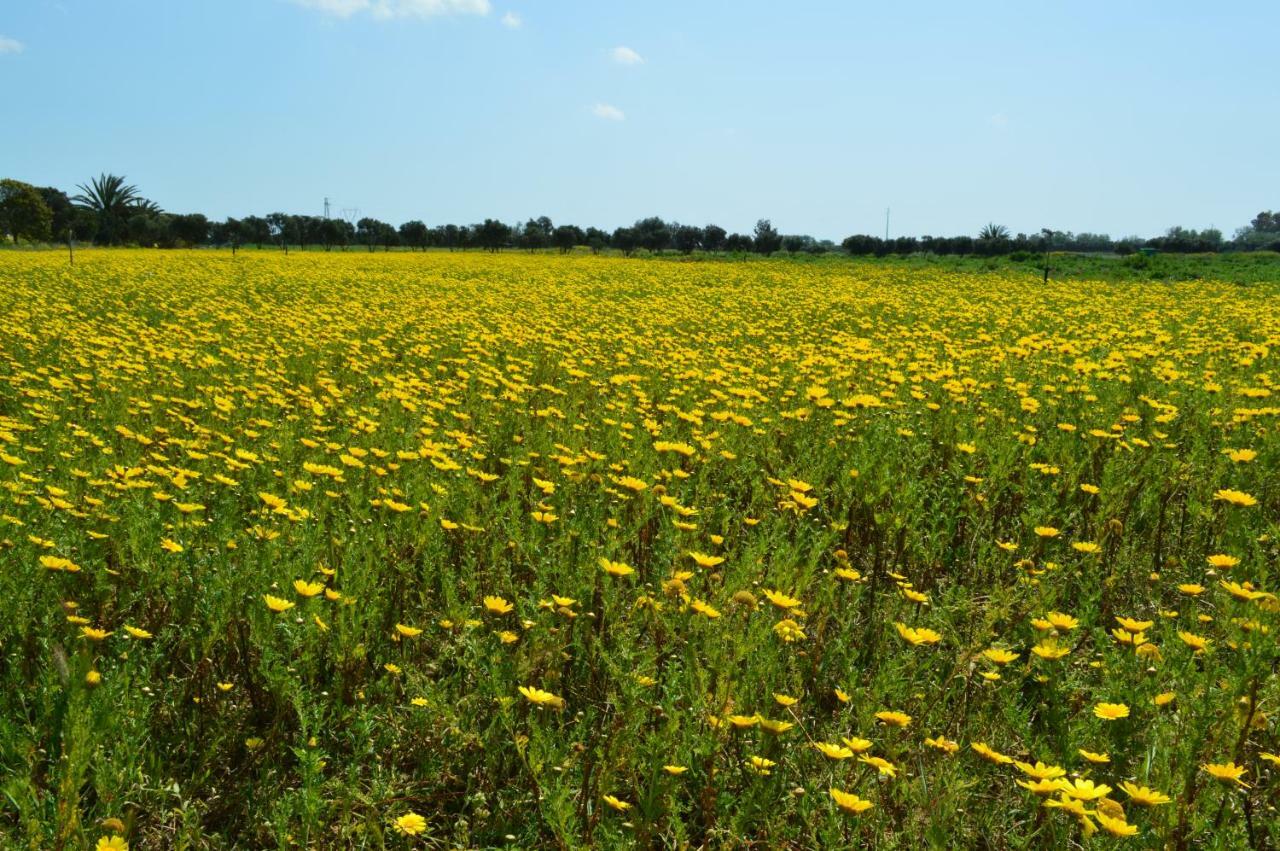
(11, 45)
(626, 56)
(512, 21)
(999, 120)
(608, 112)
(388, 9)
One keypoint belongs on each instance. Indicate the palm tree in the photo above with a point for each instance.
(993, 232)
(113, 201)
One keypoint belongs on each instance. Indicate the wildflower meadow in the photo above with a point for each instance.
(451, 550)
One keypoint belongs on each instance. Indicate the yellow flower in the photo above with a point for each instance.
(1042, 787)
(856, 744)
(1241, 592)
(409, 824)
(893, 718)
(1222, 561)
(307, 589)
(777, 728)
(1062, 621)
(990, 754)
(1047, 531)
(783, 699)
(760, 765)
(782, 601)
(999, 655)
(849, 802)
(675, 770)
(704, 560)
(497, 605)
(704, 609)
(616, 803)
(917, 637)
(538, 697)
(141, 634)
(1111, 711)
(94, 634)
(880, 764)
(1234, 497)
(1050, 650)
(111, 843)
(1198, 643)
(276, 604)
(408, 631)
(1142, 796)
(616, 568)
(1085, 789)
(1226, 772)
(915, 596)
(1115, 826)
(831, 751)
(1096, 758)
(1040, 771)
(789, 630)
(943, 744)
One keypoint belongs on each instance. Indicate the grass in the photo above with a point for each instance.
(284, 538)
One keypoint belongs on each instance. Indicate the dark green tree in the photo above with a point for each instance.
(624, 239)
(493, 235)
(766, 239)
(190, 229)
(713, 237)
(23, 212)
(652, 233)
(566, 237)
(686, 238)
(415, 234)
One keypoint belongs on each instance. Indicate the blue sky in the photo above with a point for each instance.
(1118, 117)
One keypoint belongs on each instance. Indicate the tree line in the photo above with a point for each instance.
(109, 211)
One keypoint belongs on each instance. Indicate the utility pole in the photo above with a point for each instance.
(886, 224)
(1048, 238)
(326, 206)
(71, 252)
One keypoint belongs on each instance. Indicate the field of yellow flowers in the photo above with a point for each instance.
(449, 550)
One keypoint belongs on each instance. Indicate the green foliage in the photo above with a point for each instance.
(23, 212)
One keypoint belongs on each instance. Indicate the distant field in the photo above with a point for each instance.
(558, 552)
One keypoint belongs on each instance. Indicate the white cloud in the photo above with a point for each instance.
(999, 120)
(608, 112)
(626, 56)
(387, 9)
(512, 21)
(10, 45)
